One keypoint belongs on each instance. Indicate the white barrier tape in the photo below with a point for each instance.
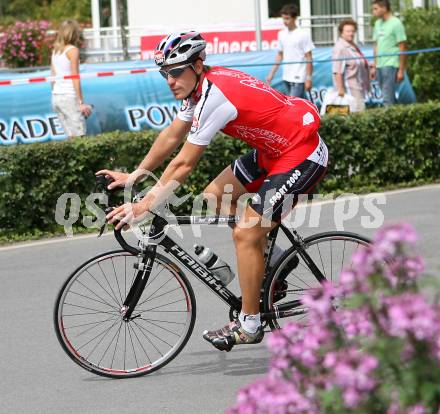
(26, 81)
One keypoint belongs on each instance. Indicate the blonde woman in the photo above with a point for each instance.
(67, 98)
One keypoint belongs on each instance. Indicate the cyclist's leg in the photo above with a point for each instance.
(258, 219)
(241, 177)
(278, 194)
(223, 193)
(249, 235)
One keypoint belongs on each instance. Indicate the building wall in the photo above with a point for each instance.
(194, 12)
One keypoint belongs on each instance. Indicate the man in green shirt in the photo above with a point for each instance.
(389, 35)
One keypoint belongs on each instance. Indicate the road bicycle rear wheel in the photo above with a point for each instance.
(331, 252)
(89, 324)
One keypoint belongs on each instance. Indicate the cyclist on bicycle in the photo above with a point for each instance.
(288, 158)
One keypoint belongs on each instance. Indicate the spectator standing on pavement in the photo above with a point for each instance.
(67, 98)
(295, 45)
(389, 35)
(351, 76)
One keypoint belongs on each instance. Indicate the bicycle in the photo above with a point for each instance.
(122, 325)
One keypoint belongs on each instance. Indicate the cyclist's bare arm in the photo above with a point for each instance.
(164, 145)
(175, 174)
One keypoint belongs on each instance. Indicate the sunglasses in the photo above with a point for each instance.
(175, 72)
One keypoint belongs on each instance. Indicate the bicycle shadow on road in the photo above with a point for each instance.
(240, 362)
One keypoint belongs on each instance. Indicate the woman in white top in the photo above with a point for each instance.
(67, 99)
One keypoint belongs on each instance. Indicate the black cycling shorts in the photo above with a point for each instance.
(276, 194)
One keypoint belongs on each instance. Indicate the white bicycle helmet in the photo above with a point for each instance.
(180, 48)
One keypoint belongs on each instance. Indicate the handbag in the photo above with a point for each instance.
(335, 104)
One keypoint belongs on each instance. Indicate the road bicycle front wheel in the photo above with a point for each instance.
(89, 324)
(331, 252)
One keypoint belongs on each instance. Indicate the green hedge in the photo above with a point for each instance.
(423, 31)
(368, 151)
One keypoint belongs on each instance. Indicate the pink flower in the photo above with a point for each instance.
(355, 322)
(417, 409)
(390, 239)
(351, 371)
(319, 300)
(410, 313)
(298, 344)
(272, 395)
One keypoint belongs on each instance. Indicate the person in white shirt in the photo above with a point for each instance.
(67, 98)
(295, 45)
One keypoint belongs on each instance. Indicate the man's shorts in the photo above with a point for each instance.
(277, 183)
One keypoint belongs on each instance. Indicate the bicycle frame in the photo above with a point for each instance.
(157, 237)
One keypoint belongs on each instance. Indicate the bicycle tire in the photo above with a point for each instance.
(107, 304)
(298, 279)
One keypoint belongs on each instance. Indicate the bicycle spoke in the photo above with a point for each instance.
(99, 297)
(156, 291)
(108, 347)
(84, 307)
(108, 283)
(104, 332)
(161, 295)
(322, 263)
(305, 283)
(94, 300)
(116, 278)
(148, 339)
(155, 324)
(103, 288)
(91, 328)
(116, 345)
(166, 293)
(86, 313)
(151, 281)
(170, 311)
(159, 320)
(343, 254)
(85, 324)
(161, 306)
(132, 345)
(125, 343)
(331, 261)
(140, 343)
(151, 333)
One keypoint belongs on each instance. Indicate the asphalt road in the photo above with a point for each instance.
(37, 377)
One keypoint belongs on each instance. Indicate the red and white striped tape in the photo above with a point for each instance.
(27, 81)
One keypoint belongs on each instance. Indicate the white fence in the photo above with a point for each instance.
(104, 44)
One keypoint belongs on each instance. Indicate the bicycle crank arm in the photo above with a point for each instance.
(282, 314)
(284, 310)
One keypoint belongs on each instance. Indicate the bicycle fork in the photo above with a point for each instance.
(144, 267)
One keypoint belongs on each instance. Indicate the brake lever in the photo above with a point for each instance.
(106, 211)
(101, 183)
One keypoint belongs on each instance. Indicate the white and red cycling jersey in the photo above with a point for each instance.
(248, 109)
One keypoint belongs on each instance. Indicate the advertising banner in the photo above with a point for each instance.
(138, 101)
(221, 42)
